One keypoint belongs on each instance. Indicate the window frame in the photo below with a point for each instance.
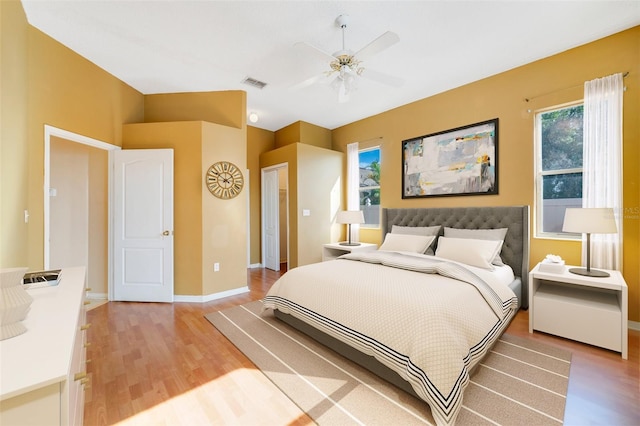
(540, 174)
(378, 187)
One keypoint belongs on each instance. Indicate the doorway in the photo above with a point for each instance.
(275, 216)
(76, 205)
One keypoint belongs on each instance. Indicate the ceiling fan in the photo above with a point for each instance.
(347, 66)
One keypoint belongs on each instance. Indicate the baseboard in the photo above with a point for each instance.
(255, 265)
(210, 297)
(97, 296)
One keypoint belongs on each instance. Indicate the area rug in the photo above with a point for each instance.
(520, 382)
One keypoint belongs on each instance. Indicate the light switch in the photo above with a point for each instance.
(306, 212)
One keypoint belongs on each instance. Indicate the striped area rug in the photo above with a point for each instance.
(520, 382)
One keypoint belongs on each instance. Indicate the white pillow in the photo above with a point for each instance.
(469, 251)
(477, 234)
(411, 243)
(418, 230)
(497, 234)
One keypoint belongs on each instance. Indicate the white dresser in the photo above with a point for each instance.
(43, 371)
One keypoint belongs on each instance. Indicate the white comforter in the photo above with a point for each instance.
(428, 320)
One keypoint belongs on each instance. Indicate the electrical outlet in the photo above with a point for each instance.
(216, 267)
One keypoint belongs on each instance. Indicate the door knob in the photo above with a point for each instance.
(165, 233)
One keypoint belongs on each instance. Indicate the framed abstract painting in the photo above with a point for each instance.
(460, 161)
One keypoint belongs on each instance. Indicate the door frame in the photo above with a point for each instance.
(262, 213)
(49, 132)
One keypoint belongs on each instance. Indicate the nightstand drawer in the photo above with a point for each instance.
(588, 315)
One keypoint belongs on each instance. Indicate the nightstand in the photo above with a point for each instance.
(587, 309)
(332, 250)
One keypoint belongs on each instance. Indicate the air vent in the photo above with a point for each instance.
(255, 83)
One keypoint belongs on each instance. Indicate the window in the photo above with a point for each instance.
(559, 167)
(369, 161)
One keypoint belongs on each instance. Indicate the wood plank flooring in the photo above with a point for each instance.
(165, 364)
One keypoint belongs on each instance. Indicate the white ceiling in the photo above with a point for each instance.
(172, 46)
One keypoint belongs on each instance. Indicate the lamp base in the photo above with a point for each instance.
(349, 244)
(589, 272)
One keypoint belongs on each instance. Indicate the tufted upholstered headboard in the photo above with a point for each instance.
(515, 250)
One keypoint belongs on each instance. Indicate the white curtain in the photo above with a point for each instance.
(353, 185)
(602, 164)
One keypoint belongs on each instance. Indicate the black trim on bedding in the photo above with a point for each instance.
(447, 405)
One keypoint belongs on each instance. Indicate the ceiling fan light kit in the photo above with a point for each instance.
(347, 66)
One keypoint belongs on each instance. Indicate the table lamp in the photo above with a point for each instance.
(349, 217)
(589, 221)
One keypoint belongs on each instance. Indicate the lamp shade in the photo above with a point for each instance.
(350, 216)
(589, 220)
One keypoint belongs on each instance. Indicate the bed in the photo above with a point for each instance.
(421, 321)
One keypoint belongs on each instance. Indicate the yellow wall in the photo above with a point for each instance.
(224, 222)
(14, 152)
(288, 135)
(303, 132)
(206, 229)
(185, 138)
(227, 108)
(315, 185)
(552, 81)
(261, 141)
(319, 188)
(43, 82)
(68, 92)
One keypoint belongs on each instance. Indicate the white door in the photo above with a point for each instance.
(143, 225)
(270, 219)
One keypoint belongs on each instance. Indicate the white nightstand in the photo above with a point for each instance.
(332, 250)
(586, 309)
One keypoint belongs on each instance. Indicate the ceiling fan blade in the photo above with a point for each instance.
(383, 42)
(314, 51)
(383, 78)
(308, 82)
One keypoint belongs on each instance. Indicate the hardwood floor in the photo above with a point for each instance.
(166, 364)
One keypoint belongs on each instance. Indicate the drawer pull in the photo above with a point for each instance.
(87, 289)
(86, 345)
(85, 327)
(87, 302)
(87, 361)
(80, 376)
(84, 381)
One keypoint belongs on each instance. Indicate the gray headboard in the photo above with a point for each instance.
(515, 250)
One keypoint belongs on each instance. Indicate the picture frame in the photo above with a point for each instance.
(455, 162)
